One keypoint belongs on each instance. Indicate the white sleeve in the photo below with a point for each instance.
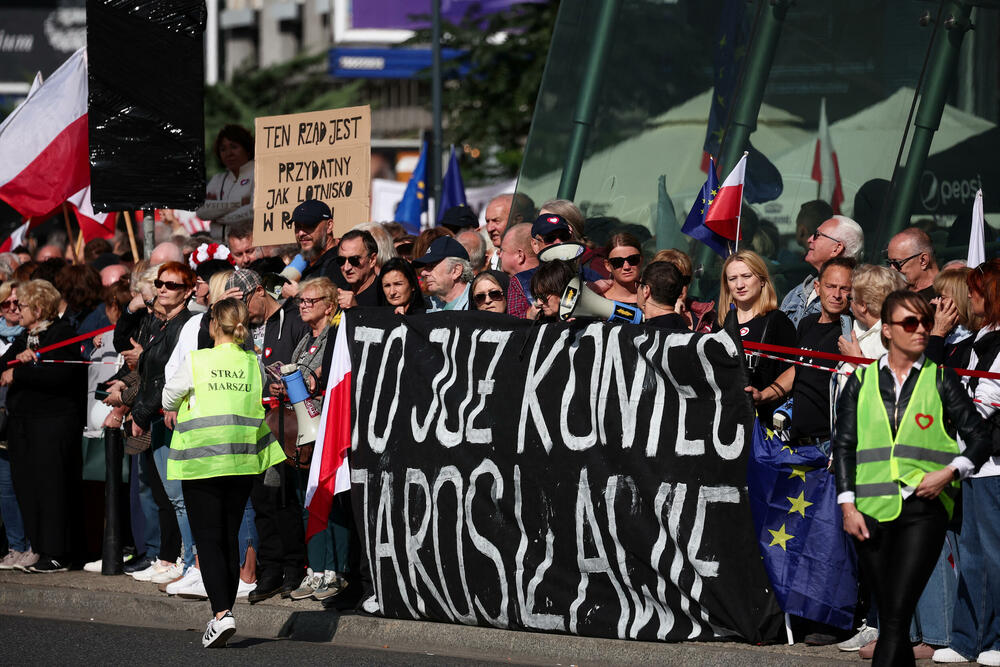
(178, 386)
(187, 341)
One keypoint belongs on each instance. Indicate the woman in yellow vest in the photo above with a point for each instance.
(898, 465)
(220, 442)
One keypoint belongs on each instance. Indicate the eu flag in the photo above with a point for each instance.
(414, 201)
(763, 180)
(809, 558)
(694, 225)
(452, 189)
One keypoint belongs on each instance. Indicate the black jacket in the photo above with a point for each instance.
(960, 415)
(156, 349)
(40, 390)
(326, 266)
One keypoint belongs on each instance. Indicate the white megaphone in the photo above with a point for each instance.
(566, 251)
(306, 413)
(581, 301)
(294, 269)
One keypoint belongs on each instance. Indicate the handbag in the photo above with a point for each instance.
(136, 444)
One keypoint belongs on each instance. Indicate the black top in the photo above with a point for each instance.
(326, 266)
(669, 321)
(811, 391)
(773, 328)
(41, 390)
(954, 355)
(368, 298)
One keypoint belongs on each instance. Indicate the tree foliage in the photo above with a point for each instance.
(490, 105)
(298, 85)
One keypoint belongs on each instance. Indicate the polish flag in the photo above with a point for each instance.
(329, 473)
(723, 216)
(18, 235)
(93, 225)
(44, 145)
(826, 170)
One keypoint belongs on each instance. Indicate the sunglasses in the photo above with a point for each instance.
(169, 284)
(355, 260)
(10, 305)
(817, 234)
(898, 263)
(619, 262)
(558, 236)
(309, 303)
(492, 295)
(911, 323)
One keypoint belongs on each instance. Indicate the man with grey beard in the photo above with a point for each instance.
(313, 224)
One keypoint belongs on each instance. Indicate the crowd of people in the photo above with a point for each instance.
(217, 483)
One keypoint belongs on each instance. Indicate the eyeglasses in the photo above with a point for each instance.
(898, 263)
(817, 234)
(355, 260)
(309, 303)
(911, 323)
(11, 304)
(492, 295)
(619, 262)
(169, 284)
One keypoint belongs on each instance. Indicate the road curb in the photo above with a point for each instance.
(318, 625)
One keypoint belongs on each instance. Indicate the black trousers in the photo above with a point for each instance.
(281, 550)
(898, 559)
(170, 532)
(215, 509)
(46, 465)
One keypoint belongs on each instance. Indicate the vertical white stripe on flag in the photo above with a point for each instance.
(977, 242)
(340, 367)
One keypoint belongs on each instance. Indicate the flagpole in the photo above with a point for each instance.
(131, 236)
(69, 232)
(739, 216)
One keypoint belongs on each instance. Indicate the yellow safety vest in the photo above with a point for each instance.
(224, 432)
(886, 464)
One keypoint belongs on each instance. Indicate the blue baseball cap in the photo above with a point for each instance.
(310, 213)
(548, 223)
(441, 248)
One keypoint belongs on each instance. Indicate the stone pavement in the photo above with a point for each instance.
(123, 601)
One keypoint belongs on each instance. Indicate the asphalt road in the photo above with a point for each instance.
(54, 642)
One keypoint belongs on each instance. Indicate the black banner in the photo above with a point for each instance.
(146, 117)
(584, 478)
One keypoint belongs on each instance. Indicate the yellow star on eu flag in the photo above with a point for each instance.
(799, 504)
(780, 537)
(715, 191)
(800, 471)
(788, 447)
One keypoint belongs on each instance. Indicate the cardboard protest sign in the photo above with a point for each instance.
(323, 155)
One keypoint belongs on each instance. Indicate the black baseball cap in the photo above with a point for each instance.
(548, 223)
(459, 217)
(310, 213)
(441, 248)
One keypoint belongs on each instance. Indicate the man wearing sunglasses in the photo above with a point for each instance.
(837, 237)
(356, 255)
(446, 273)
(312, 221)
(912, 254)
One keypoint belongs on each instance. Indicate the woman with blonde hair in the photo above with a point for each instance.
(220, 443)
(955, 324)
(747, 287)
(870, 285)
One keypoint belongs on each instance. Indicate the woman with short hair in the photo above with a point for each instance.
(46, 404)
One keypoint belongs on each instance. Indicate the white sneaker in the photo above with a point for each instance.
(370, 606)
(147, 574)
(991, 658)
(195, 591)
(192, 576)
(218, 631)
(865, 636)
(93, 566)
(9, 561)
(175, 571)
(948, 655)
(308, 586)
(244, 589)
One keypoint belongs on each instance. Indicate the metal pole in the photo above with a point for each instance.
(435, 156)
(940, 79)
(114, 452)
(746, 106)
(586, 101)
(148, 238)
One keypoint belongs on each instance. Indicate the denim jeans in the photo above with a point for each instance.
(976, 623)
(933, 617)
(151, 520)
(173, 488)
(248, 533)
(10, 512)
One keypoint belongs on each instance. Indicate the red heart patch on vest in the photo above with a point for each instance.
(924, 421)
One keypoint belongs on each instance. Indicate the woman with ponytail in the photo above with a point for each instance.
(220, 443)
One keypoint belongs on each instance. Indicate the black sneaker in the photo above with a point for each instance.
(136, 564)
(47, 566)
(266, 588)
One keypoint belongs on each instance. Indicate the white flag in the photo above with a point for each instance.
(977, 243)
